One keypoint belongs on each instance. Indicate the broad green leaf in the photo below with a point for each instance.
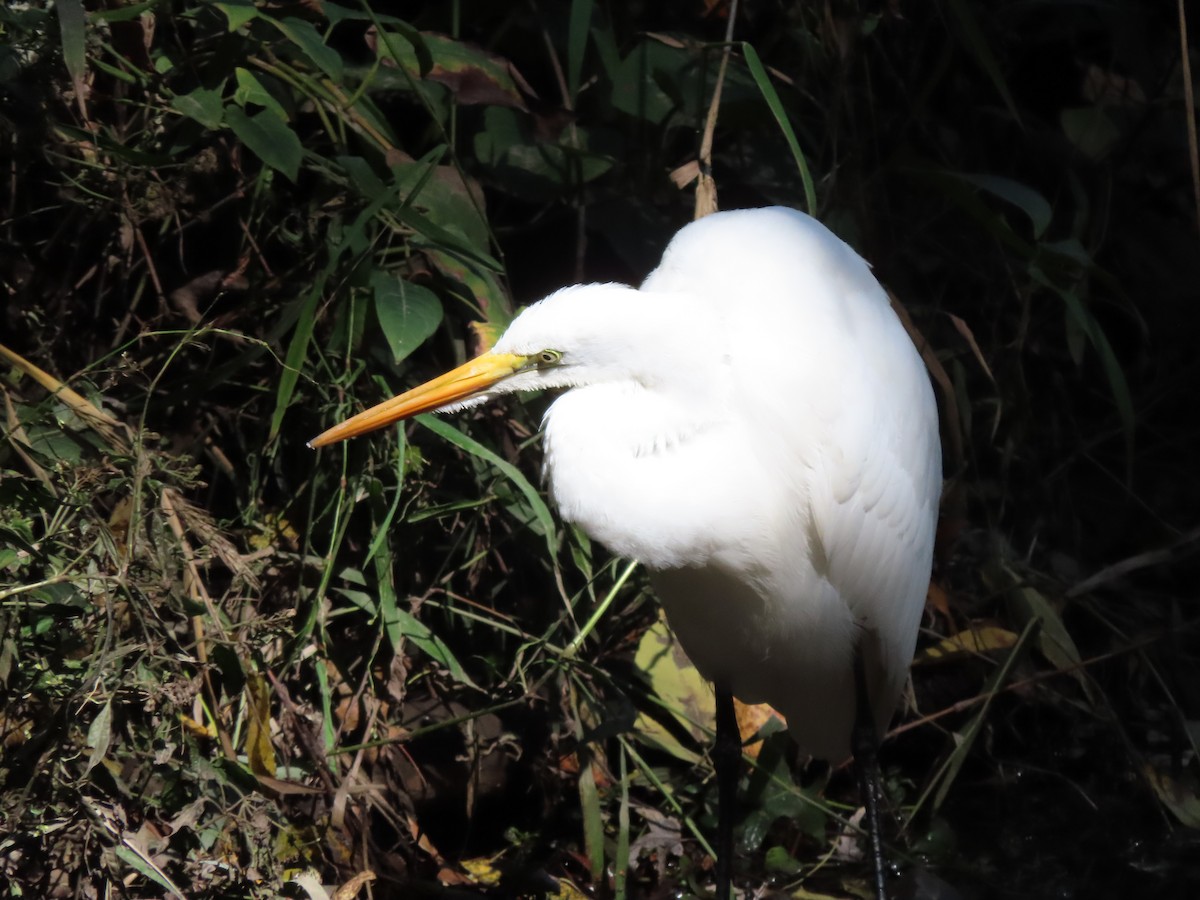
(72, 23)
(637, 86)
(417, 50)
(238, 12)
(125, 13)
(305, 36)
(1091, 129)
(408, 313)
(445, 198)
(487, 298)
(361, 175)
(250, 89)
(685, 694)
(1025, 198)
(1055, 642)
(473, 75)
(269, 137)
(202, 105)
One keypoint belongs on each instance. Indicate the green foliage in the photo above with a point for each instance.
(225, 658)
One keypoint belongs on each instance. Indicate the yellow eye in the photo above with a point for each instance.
(549, 358)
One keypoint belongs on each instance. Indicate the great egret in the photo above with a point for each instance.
(755, 425)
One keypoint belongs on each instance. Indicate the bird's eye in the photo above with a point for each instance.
(549, 358)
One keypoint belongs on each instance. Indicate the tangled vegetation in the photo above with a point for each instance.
(233, 667)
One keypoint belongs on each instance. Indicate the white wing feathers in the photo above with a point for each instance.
(839, 406)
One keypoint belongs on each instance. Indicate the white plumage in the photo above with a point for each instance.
(755, 426)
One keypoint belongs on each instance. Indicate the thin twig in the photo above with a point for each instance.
(706, 186)
(1189, 103)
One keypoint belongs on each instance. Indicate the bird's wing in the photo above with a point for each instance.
(838, 408)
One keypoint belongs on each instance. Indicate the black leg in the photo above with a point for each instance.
(727, 757)
(866, 764)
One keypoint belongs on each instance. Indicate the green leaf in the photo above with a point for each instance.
(269, 138)
(1117, 383)
(99, 736)
(638, 81)
(473, 75)
(577, 35)
(238, 12)
(593, 816)
(778, 860)
(1055, 642)
(965, 740)
(251, 90)
(125, 13)
(684, 692)
(1091, 129)
(72, 23)
(415, 55)
(1025, 198)
(763, 80)
(408, 313)
(361, 175)
(306, 310)
(144, 865)
(305, 36)
(416, 631)
(201, 105)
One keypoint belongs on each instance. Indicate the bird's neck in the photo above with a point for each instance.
(629, 464)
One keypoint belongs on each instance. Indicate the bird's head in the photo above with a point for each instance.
(586, 334)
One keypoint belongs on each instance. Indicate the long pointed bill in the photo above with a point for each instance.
(458, 384)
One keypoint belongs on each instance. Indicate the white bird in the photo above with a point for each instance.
(756, 427)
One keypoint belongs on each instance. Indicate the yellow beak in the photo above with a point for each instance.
(458, 384)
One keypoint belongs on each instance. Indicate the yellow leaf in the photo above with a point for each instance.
(205, 731)
(259, 752)
(684, 692)
(482, 870)
(973, 640)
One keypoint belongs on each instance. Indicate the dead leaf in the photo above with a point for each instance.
(351, 888)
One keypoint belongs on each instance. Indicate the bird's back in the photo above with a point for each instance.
(784, 492)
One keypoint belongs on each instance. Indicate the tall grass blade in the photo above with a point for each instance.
(759, 72)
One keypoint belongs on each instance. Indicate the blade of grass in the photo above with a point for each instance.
(1117, 383)
(306, 320)
(972, 34)
(759, 73)
(621, 863)
(948, 771)
(72, 24)
(599, 612)
(577, 36)
(541, 512)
